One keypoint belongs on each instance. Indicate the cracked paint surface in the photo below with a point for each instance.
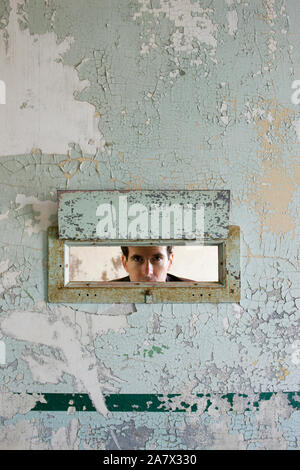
(167, 94)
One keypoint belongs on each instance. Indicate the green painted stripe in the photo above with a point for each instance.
(152, 402)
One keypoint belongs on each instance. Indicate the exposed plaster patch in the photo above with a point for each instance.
(128, 435)
(22, 435)
(271, 123)
(227, 440)
(44, 209)
(236, 428)
(71, 333)
(75, 161)
(270, 412)
(145, 48)
(15, 403)
(4, 266)
(194, 434)
(232, 19)
(47, 93)
(4, 216)
(296, 124)
(8, 278)
(283, 373)
(272, 193)
(224, 113)
(192, 23)
(270, 15)
(272, 45)
(273, 190)
(26, 435)
(67, 437)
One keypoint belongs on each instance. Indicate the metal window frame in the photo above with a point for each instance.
(227, 289)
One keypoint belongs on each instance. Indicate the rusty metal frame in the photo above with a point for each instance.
(227, 289)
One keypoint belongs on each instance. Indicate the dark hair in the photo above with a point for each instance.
(125, 251)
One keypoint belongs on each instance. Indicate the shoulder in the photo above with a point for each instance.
(121, 279)
(173, 278)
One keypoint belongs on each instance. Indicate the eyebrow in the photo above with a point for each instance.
(134, 255)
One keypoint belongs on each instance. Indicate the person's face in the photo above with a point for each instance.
(147, 263)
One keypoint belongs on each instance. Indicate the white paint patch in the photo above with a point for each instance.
(8, 278)
(254, 113)
(270, 15)
(295, 98)
(196, 62)
(232, 19)
(272, 45)
(24, 435)
(4, 216)
(2, 92)
(224, 116)
(237, 311)
(66, 438)
(71, 333)
(174, 74)
(224, 119)
(192, 22)
(40, 110)
(45, 210)
(224, 107)
(71, 410)
(225, 323)
(17, 403)
(145, 48)
(4, 266)
(44, 369)
(2, 352)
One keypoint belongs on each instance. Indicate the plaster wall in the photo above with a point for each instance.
(161, 94)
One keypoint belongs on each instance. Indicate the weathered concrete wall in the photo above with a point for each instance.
(161, 94)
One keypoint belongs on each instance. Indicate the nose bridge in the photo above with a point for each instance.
(148, 265)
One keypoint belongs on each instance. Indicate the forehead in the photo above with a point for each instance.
(147, 251)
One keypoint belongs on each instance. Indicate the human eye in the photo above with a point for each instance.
(137, 258)
(157, 258)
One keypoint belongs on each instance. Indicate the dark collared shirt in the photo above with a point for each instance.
(169, 278)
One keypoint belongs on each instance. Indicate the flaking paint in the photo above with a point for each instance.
(171, 104)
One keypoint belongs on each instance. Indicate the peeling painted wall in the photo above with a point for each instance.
(161, 94)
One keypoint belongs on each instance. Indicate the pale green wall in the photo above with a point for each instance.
(173, 94)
